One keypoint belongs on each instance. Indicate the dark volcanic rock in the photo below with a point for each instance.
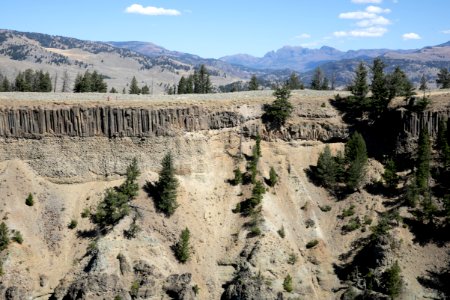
(179, 287)
(98, 286)
(14, 293)
(110, 121)
(247, 286)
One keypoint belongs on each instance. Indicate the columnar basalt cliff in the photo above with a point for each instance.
(107, 121)
(411, 123)
(112, 122)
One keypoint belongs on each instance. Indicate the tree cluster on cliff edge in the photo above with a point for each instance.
(294, 82)
(384, 88)
(90, 83)
(319, 80)
(198, 83)
(27, 81)
(281, 109)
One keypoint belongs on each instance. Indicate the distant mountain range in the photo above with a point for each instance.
(299, 58)
(160, 68)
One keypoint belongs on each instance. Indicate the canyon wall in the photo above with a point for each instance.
(408, 125)
(107, 121)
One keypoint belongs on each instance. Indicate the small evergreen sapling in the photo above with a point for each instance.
(29, 200)
(182, 248)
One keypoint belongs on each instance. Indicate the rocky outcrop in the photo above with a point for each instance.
(179, 287)
(101, 286)
(410, 124)
(15, 293)
(108, 121)
(249, 286)
(413, 122)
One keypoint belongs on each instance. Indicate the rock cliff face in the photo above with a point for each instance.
(410, 123)
(110, 121)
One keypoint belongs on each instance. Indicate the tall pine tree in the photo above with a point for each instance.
(167, 187)
(317, 80)
(281, 109)
(443, 80)
(134, 88)
(423, 161)
(356, 158)
(379, 88)
(253, 85)
(360, 88)
(326, 168)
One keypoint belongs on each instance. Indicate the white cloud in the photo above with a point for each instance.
(377, 10)
(446, 31)
(367, 1)
(151, 10)
(370, 20)
(380, 21)
(411, 36)
(357, 15)
(303, 36)
(366, 32)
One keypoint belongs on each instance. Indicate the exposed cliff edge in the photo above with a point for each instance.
(117, 122)
(409, 125)
(108, 121)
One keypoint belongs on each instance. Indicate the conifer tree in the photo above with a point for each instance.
(258, 145)
(112, 209)
(134, 88)
(423, 161)
(145, 90)
(5, 85)
(189, 89)
(317, 80)
(253, 85)
(392, 281)
(115, 205)
(326, 168)
(97, 83)
(360, 88)
(280, 110)
(443, 79)
(325, 84)
(130, 187)
(356, 157)
(182, 85)
(423, 83)
(167, 187)
(390, 174)
(379, 87)
(294, 83)
(90, 83)
(4, 236)
(182, 248)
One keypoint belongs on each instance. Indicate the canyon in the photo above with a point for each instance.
(67, 151)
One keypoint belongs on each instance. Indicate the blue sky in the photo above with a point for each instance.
(218, 28)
